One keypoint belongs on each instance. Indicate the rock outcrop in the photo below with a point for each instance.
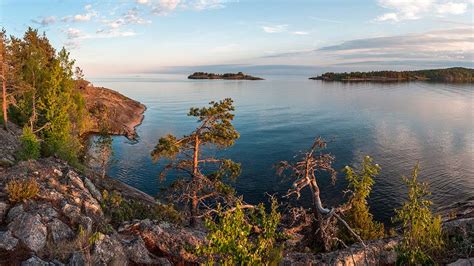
(64, 224)
(123, 113)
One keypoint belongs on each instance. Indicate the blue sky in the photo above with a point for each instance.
(137, 36)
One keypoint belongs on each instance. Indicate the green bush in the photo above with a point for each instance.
(21, 190)
(422, 234)
(119, 210)
(238, 238)
(29, 145)
(359, 216)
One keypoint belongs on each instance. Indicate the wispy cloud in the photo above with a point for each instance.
(45, 21)
(275, 28)
(87, 16)
(448, 47)
(416, 9)
(300, 33)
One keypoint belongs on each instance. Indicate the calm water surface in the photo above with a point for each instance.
(397, 124)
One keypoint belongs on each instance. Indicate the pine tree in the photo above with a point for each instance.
(215, 129)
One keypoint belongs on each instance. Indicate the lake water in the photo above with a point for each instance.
(398, 124)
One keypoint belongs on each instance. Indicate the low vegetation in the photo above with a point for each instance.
(120, 210)
(30, 146)
(422, 238)
(358, 215)
(19, 190)
(243, 235)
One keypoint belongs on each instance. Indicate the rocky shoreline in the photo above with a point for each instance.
(124, 114)
(67, 221)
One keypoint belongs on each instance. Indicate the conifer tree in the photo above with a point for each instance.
(201, 182)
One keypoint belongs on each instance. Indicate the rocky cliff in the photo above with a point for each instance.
(122, 113)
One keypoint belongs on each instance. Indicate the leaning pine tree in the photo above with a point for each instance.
(200, 186)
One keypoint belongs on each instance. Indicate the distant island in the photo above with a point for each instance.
(233, 76)
(455, 74)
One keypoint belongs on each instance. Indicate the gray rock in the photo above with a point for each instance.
(136, 251)
(29, 230)
(163, 262)
(59, 231)
(75, 179)
(15, 212)
(77, 259)
(72, 212)
(7, 241)
(35, 261)
(92, 189)
(108, 250)
(463, 262)
(3, 210)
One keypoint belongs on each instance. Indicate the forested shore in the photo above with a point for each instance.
(58, 204)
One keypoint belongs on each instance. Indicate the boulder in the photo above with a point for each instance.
(77, 259)
(7, 241)
(29, 230)
(35, 261)
(59, 231)
(92, 189)
(108, 250)
(136, 251)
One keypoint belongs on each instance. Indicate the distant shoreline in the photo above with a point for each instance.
(226, 76)
(451, 75)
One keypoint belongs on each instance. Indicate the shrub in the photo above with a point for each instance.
(359, 216)
(20, 190)
(30, 145)
(237, 238)
(119, 210)
(422, 235)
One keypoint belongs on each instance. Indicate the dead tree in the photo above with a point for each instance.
(306, 173)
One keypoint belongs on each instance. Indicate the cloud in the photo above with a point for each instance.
(90, 13)
(208, 4)
(45, 21)
(142, 2)
(73, 33)
(439, 47)
(416, 9)
(300, 33)
(164, 7)
(451, 8)
(275, 28)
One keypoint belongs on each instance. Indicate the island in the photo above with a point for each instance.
(454, 74)
(231, 76)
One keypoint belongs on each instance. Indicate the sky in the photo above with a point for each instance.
(153, 36)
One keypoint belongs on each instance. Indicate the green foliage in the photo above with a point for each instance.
(240, 238)
(42, 85)
(102, 151)
(359, 217)
(454, 74)
(30, 145)
(21, 190)
(422, 234)
(200, 185)
(119, 210)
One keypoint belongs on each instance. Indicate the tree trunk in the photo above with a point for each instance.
(322, 240)
(4, 97)
(194, 199)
